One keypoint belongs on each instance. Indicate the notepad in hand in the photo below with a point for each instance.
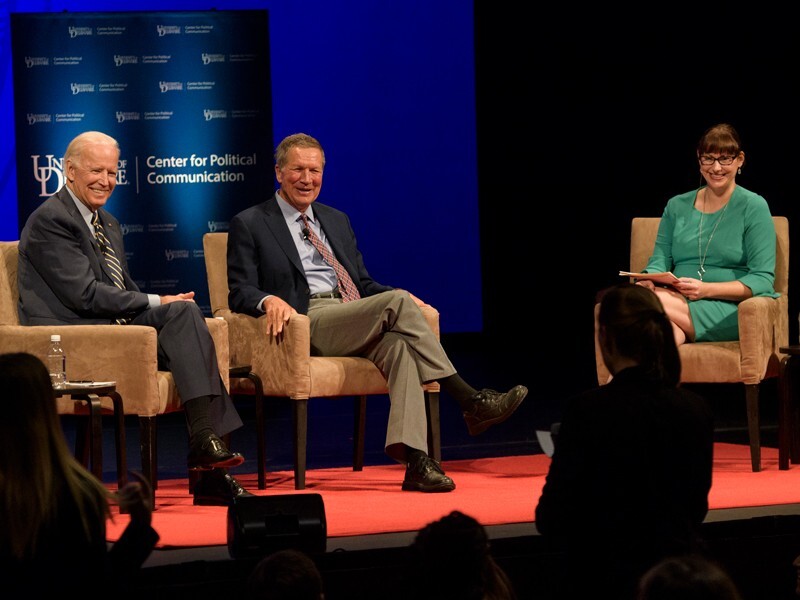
(667, 278)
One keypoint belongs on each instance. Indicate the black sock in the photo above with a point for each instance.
(413, 453)
(459, 389)
(197, 419)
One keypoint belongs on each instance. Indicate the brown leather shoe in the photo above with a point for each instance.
(490, 408)
(424, 474)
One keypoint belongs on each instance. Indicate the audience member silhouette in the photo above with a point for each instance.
(285, 575)
(53, 511)
(687, 577)
(631, 469)
(451, 559)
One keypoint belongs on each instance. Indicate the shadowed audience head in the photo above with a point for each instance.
(452, 559)
(33, 455)
(633, 329)
(689, 577)
(285, 575)
(30, 431)
(53, 511)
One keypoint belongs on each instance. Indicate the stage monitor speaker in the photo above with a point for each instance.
(260, 525)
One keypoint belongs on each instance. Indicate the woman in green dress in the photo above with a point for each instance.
(719, 240)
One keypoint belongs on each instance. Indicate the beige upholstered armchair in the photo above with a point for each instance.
(763, 329)
(288, 370)
(126, 354)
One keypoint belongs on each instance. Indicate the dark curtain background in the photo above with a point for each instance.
(584, 123)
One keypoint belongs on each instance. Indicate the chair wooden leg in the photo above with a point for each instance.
(258, 392)
(260, 431)
(89, 436)
(794, 433)
(119, 440)
(751, 398)
(434, 427)
(300, 439)
(148, 451)
(82, 442)
(790, 407)
(96, 437)
(359, 430)
(785, 413)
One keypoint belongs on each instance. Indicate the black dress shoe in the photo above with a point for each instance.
(217, 488)
(424, 474)
(490, 408)
(211, 453)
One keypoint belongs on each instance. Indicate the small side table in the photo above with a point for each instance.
(789, 413)
(91, 394)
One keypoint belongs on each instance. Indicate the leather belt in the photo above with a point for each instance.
(326, 295)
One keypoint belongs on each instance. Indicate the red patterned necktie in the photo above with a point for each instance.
(346, 285)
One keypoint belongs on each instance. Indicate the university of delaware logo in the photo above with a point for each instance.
(217, 226)
(81, 88)
(171, 254)
(48, 173)
(79, 31)
(168, 30)
(170, 86)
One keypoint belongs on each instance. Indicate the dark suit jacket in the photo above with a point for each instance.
(629, 480)
(62, 273)
(263, 258)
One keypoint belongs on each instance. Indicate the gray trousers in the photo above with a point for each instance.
(390, 330)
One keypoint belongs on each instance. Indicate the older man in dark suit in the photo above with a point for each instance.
(73, 271)
(287, 257)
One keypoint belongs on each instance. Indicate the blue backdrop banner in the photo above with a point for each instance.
(186, 94)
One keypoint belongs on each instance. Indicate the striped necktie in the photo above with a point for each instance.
(346, 286)
(114, 266)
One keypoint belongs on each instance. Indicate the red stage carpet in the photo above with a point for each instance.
(493, 490)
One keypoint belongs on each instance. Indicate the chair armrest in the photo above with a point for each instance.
(126, 354)
(432, 317)
(763, 329)
(218, 328)
(282, 363)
